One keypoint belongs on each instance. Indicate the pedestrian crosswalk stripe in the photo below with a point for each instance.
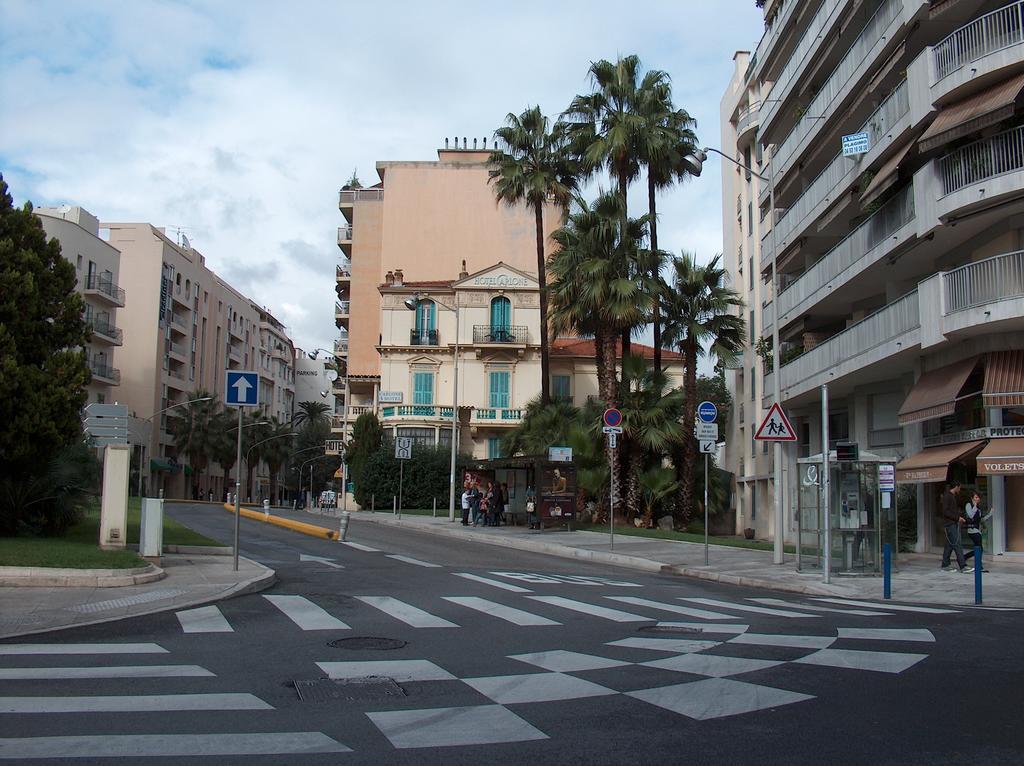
(168, 745)
(614, 615)
(410, 560)
(21, 649)
(494, 583)
(205, 619)
(889, 607)
(305, 613)
(689, 611)
(132, 703)
(674, 645)
(703, 627)
(810, 608)
(745, 608)
(360, 546)
(507, 613)
(888, 634)
(407, 613)
(852, 659)
(796, 642)
(116, 671)
(400, 671)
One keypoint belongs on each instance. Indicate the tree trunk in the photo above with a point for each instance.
(633, 494)
(656, 312)
(542, 282)
(623, 189)
(689, 415)
(602, 365)
(610, 394)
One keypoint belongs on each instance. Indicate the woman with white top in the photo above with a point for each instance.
(973, 514)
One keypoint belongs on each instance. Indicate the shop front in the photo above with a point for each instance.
(553, 484)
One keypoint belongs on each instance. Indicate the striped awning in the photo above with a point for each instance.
(886, 176)
(932, 464)
(992, 105)
(935, 393)
(1003, 457)
(1004, 379)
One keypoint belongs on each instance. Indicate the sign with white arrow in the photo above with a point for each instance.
(321, 560)
(707, 447)
(242, 388)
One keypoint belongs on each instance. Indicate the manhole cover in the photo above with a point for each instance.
(668, 629)
(348, 690)
(364, 643)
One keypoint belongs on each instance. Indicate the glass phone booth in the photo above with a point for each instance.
(863, 518)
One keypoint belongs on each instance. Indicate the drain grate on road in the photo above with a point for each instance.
(676, 629)
(369, 688)
(367, 643)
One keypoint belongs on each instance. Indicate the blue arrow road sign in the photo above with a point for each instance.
(242, 388)
(707, 412)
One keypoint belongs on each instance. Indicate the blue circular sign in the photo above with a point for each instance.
(612, 417)
(707, 412)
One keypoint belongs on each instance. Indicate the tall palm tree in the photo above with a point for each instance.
(699, 321)
(533, 168)
(311, 412)
(194, 428)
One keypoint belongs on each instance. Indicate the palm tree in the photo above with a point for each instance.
(699, 321)
(533, 169)
(194, 428)
(542, 426)
(311, 412)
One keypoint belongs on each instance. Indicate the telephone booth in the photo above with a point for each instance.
(862, 514)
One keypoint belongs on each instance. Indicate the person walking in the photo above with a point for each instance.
(504, 502)
(475, 502)
(973, 521)
(531, 507)
(952, 520)
(465, 504)
(489, 505)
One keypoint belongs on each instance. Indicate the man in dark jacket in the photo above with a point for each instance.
(949, 515)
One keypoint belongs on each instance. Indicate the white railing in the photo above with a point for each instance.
(895, 106)
(771, 34)
(348, 196)
(993, 279)
(888, 323)
(987, 34)
(341, 307)
(747, 117)
(344, 233)
(841, 76)
(888, 219)
(989, 157)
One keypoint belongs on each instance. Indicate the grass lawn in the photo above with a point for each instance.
(78, 549)
(733, 541)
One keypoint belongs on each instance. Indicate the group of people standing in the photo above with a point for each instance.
(489, 507)
(954, 520)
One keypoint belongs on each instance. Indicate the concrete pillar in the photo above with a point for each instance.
(114, 502)
(997, 494)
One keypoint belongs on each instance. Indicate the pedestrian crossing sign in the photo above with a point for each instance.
(775, 427)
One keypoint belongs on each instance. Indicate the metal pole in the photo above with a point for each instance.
(778, 555)
(705, 509)
(887, 571)
(344, 486)
(611, 496)
(455, 417)
(238, 485)
(401, 477)
(434, 514)
(309, 505)
(142, 461)
(978, 569)
(826, 483)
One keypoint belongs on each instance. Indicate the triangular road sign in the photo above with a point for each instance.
(775, 427)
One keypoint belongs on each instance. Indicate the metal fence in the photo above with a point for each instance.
(101, 369)
(989, 157)
(342, 307)
(104, 283)
(485, 333)
(344, 233)
(423, 337)
(987, 281)
(986, 34)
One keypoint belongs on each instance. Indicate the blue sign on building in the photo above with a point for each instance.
(241, 388)
(856, 143)
(707, 412)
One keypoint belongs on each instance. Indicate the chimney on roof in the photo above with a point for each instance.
(465, 143)
(389, 278)
(485, 143)
(398, 278)
(463, 274)
(474, 143)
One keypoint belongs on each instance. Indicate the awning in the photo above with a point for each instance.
(932, 464)
(885, 177)
(1004, 379)
(1002, 457)
(974, 113)
(935, 392)
(164, 464)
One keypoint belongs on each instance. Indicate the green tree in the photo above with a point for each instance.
(276, 451)
(311, 412)
(533, 168)
(367, 438)
(701, 318)
(194, 429)
(424, 478)
(542, 426)
(43, 372)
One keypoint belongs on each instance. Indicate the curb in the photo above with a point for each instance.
(296, 526)
(50, 577)
(199, 550)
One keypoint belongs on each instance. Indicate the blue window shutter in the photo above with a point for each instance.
(425, 318)
(499, 390)
(493, 448)
(423, 388)
(501, 313)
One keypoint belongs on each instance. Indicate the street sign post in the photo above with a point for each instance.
(241, 389)
(106, 423)
(775, 427)
(612, 429)
(706, 431)
(612, 419)
(707, 412)
(707, 447)
(403, 452)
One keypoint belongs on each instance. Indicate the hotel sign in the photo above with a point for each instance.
(502, 280)
(389, 397)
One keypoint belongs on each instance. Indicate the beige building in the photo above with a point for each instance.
(890, 138)
(186, 327)
(97, 266)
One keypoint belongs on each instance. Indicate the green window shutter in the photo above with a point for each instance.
(560, 387)
(501, 313)
(499, 390)
(425, 317)
(423, 388)
(493, 448)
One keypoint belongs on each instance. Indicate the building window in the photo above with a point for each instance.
(750, 273)
(493, 448)
(499, 387)
(838, 428)
(751, 327)
(78, 265)
(421, 437)
(501, 317)
(753, 501)
(753, 383)
(561, 388)
(423, 388)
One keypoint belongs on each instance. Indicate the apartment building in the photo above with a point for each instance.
(187, 326)
(97, 266)
(426, 220)
(892, 271)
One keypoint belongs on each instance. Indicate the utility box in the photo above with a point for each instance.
(151, 528)
(114, 500)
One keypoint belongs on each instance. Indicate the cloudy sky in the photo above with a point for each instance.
(238, 122)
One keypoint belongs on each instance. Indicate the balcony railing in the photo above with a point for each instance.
(485, 333)
(976, 284)
(344, 233)
(989, 157)
(105, 330)
(341, 346)
(235, 353)
(342, 307)
(101, 369)
(348, 196)
(423, 337)
(747, 117)
(495, 414)
(104, 285)
(177, 348)
(179, 322)
(417, 411)
(986, 34)
(342, 272)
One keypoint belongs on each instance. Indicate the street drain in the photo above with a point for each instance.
(369, 688)
(367, 643)
(668, 629)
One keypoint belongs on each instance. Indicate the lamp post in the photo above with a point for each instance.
(238, 483)
(694, 163)
(310, 461)
(344, 428)
(142, 444)
(412, 304)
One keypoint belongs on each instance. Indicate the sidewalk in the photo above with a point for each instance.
(916, 578)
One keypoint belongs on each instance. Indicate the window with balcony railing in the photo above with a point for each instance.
(993, 31)
(987, 158)
(423, 337)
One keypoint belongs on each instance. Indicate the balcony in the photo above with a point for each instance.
(416, 412)
(503, 335)
(987, 34)
(103, 331)
(181, 298)
(341, 347)
(235, 353)
(765, 47)
(423, 337)
(341, 308)
(977, 284)
(178, 324)
(236, 330)
(103, 372)
(177, 351)
(348, 196)
(345, 239)
(497, 415)
(981, 160)
(102, 286)
(176, 379)
(747, 121)
(342, 273)
(353, 412)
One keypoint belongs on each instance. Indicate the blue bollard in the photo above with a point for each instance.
(887, 571)
(977, 574)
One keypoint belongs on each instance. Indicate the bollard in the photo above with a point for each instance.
(343, 526)
(435, 507)
(394, 505)
(373, 503)
(266, 509)
(887, 571)
(978, 569)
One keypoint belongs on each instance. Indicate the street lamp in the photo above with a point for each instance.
(694, 163)
(310, 461)
(412, 304)
(142, 444)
